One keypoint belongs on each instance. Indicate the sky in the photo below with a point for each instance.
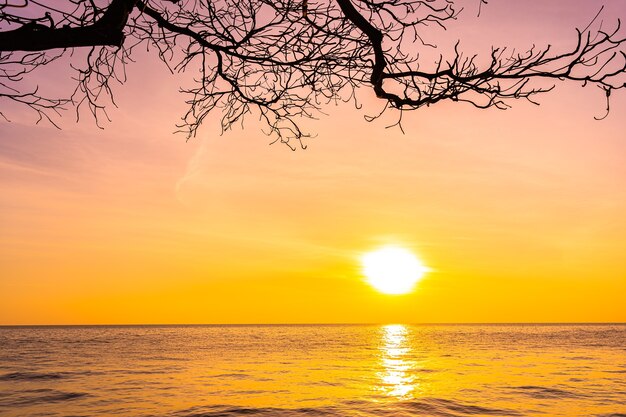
(518, 214)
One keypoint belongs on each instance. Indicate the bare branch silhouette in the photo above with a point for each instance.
(284, 60)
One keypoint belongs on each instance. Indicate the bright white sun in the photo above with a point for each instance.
(392, 269)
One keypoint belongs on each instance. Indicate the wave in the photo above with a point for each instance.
(424, 371)
(44, 376)
(437, 407)
(31, 376)
(225, 411)
(38, 396)
(545, 392)
(444, 407)
(231, 375)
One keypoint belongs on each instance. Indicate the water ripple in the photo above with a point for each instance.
(38, 396)
(444, 407)
(31, 376)
(545, 392)
(225, 411)
(438, 407)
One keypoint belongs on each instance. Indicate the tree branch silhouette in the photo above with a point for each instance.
(285, 60)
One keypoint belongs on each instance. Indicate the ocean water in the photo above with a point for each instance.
(393, 370)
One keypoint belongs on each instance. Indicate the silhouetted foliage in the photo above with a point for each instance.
(283, 60)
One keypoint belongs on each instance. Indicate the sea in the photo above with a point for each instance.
(314, 370)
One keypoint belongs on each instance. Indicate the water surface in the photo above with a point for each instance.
(394, 370)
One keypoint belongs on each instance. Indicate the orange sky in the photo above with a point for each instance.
(519, 214)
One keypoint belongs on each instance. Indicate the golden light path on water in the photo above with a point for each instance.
(397, 380)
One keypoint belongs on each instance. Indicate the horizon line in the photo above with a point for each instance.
(548, 323)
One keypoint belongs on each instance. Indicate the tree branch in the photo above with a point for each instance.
(106, 31)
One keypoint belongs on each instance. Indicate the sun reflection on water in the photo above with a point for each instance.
(396, 377)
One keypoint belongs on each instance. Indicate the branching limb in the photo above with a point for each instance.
(598, 59)
(285, 60)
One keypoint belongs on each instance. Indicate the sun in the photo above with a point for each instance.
(392, 269)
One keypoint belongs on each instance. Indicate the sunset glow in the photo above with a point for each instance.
(518, 214)
(345, 208)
